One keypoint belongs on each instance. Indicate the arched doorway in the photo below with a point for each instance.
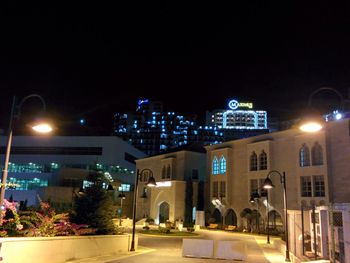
(231, 218)
(256, 220)
(217, 215)
(246, 215)
(163, 212)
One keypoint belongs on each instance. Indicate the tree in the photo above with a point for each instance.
(94, 207)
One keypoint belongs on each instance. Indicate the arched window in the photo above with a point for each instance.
(304, 156)
(317, 154)
(263, 161)
(163, 172)
(168, 172)
(222, 165)
(253, 162)
(215, 165)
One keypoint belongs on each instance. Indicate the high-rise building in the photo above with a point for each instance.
(154, 131)
(239, 120)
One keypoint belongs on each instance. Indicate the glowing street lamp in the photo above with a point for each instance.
(151, 183)
(38, 126)
(313, 121)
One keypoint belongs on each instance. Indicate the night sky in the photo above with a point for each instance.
(91, 59)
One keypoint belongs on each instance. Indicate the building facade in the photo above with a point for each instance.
(180, 177)
(55, 167)
(316, 171)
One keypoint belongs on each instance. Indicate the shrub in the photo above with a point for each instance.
(164, 230)
(44, 223)
(47, 223)
(149, 220)
(9, 220)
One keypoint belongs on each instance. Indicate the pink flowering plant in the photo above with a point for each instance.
(9, 219)
(42, 223)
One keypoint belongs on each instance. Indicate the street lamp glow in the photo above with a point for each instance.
(151, 182)
(42, 128)
(310, 127)
(338, 116)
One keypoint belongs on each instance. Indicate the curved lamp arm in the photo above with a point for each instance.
(19, 107)
(327, 89)
(282, 177)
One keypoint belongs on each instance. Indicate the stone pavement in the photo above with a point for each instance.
(156, 249)
(109, 258)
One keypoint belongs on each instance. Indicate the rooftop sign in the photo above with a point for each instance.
(234, 105)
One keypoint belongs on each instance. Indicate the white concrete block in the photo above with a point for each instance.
(199, 248)
(232, 250)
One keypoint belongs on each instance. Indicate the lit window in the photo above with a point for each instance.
(124, 188)
(215, 165)
(222, 165)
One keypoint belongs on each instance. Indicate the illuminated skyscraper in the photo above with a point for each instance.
(239, 120)
(153, 131)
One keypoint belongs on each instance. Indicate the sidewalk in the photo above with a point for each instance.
(107, 258)
(257, 250)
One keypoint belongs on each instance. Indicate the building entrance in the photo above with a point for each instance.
(163, 212)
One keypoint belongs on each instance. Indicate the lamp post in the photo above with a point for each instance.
(40, 127)
(268, 185)
(151, 183)
(314, 122)
(122, 197)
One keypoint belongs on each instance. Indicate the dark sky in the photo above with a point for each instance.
(90, 58)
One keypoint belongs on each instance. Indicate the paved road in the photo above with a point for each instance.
(169, 249)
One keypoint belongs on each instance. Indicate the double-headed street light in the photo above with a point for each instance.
(268, 185)
(39, 125)
(150, 183)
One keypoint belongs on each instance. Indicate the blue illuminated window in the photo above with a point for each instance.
(124, 188)
(215, 165)
(222, 165)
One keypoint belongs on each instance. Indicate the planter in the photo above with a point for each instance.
(62, 249)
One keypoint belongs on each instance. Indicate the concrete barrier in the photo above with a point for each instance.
(199, 248)
(62, 249)
(232, 250)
